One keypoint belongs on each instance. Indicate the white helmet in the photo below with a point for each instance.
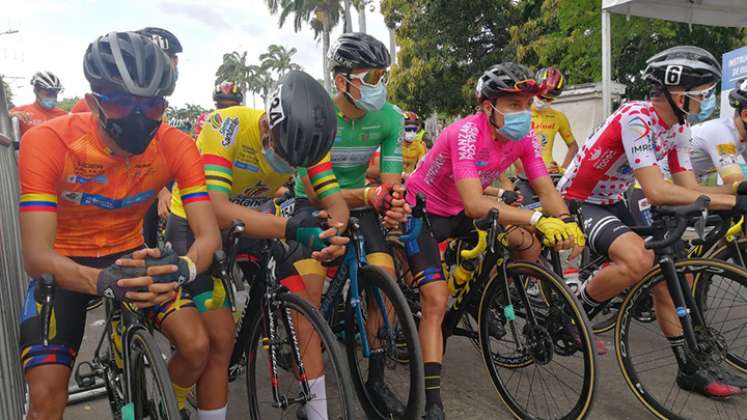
(46, 80)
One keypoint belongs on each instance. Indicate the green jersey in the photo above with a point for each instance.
(357, 140)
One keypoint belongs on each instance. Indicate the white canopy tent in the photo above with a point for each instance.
(730, 13)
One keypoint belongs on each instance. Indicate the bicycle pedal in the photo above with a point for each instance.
(85, 379)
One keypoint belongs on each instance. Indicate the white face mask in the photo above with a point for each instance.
(540, 104)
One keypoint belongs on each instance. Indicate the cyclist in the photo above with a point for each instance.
(547, 122)
(365, 121)
(225, 94)
(46, 88)
(721, 144)
(467, 157)
(248, 154)
(626, 149)
(86, 182)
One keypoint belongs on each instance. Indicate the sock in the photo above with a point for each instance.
(217, 414)
(588, 302)
(181, 394)
(680, 354)
(433, 384)
(316, 409)
(376, 366)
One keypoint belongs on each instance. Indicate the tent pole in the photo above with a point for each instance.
(606, 64)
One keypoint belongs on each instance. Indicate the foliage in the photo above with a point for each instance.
(66, 104)
(184, 117)
(279, 59)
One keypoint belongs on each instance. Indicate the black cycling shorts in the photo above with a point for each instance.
(69, 319)
(604, 224)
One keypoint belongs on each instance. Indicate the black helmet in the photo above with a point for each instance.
(684, 66)
(552, 80)
(46, 80)
(165, 39)
(228, 91)
(302, 119)
(130, 63)
(357, 49)
(506, 79)
(738, 95)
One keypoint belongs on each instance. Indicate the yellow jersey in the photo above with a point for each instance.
(412, 152)
(546, 123)
(230, 144)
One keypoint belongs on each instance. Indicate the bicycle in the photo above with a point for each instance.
(647, 371)
(367, 290)
(126, 358)
(266, 335)
(521, 337)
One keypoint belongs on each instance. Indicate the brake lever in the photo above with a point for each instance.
(700, 224)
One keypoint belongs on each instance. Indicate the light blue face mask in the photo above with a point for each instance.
(48, 103)
(372, 98)
(706, 109)
(516, 125)
(276, 163)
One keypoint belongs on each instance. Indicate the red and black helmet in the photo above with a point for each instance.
(506, 79)
(411, 118)
(228, 91)
(552, 80)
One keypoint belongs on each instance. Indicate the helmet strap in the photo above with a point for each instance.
(678, 112)
(346, 92)
(491, 119)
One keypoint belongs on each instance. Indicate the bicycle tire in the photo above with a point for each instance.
(370, 277)
(656, 387)
(144, 357)
(331, 350)
(556, 295)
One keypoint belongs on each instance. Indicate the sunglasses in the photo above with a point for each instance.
(702, 94)
(120, 105)
(371, 77)
(411, 128)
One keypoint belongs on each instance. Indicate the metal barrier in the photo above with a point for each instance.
(13, 279)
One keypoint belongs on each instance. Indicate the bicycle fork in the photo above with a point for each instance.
(684, 303)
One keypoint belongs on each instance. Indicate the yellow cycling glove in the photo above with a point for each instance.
(572, 230)
(554, 230)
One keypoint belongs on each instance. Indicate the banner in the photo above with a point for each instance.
(734, 67)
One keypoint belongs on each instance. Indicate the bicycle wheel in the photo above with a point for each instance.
(402, 372)
(544, 369)
(645, 356)
(290, 396)
(152, 393)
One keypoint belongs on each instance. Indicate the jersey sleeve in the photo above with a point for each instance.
(391, 147)
(531, 157)
(723, 154)
(679, 157)
(462, 145)
(41, 163)
(637, 140)
(184, 161)
(564, 128)
(217, 144)
(323, 178)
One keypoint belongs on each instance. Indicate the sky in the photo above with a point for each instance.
(53, 35)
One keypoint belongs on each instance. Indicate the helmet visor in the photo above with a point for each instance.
(371, 77)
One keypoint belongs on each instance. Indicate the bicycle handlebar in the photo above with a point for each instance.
(484, 226)
(683, 214)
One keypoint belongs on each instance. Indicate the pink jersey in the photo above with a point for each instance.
(466, 149)
(633, 137)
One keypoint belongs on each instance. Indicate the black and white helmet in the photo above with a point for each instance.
(130, 63)
(302, 118)
(738, 95)
(165, 39)
(46, 80)
(358, 50)
(684, 66)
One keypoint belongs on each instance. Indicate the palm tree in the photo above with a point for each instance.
(277, 58)
(321, 15)
(348, 21)
(234, 68)
(360, 5)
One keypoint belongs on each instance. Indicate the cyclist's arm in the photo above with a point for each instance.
(326, 190)
(257, 224)
(687, 179)
(724, 158)
(660, 192)
(552, 202)
(570, 154)
(201, 219)
(570, 141)
(373, 170)
(477, 205)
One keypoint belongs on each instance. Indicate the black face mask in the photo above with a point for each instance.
(132, 133)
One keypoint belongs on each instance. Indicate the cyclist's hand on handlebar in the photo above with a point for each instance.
(337, 243)
(22, 116)
(308, 229)
(741, 206)
(398, 210)
(554, 232)
(576, 235)
(163, 265)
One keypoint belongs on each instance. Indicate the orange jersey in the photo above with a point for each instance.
(100, 198)
(80, 106)
(38, 114)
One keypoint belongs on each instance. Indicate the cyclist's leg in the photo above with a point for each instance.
(217, 326)
(522, 244)
(47, 369)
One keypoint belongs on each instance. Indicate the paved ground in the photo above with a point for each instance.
(467, 390)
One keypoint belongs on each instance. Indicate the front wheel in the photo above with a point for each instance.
(275, 389)
(152, 395)
(397, 368)
(543, 366)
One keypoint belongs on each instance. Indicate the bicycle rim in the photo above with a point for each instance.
(646, 360)
(153, 395)
(541, 370)
(403, 360)
(259, 377)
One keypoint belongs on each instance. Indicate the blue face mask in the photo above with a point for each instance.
(276, 163)
(48, 103)
(516, 125)
(372, 98)
(706, 109)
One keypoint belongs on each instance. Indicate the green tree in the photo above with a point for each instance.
(8, 92)
(279, 59)
(184, 117)
(66, 104)
(235, 69)
(321, 15)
